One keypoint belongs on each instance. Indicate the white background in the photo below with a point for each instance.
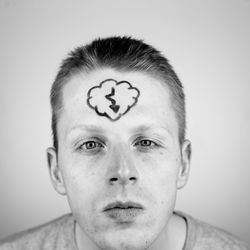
(208, 43)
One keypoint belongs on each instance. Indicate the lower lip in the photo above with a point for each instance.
(123, 215)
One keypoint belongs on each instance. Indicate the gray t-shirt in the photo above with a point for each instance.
(59, 235)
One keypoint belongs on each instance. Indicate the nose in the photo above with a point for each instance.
(122, 169)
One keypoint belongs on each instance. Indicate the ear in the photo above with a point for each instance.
(185, 164)
(55, 171)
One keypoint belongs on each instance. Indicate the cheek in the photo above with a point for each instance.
(83, 194)
(80, 181)
(159, 174)
(79, 190)
(159, 168)
(78, 170)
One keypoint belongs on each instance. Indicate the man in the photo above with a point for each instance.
(120, 155)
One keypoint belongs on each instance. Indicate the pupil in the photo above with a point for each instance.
(90, 145)
(145, 143)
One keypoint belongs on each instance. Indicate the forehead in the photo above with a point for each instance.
(93, 99)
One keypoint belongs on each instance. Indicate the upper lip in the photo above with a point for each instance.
(123, 205)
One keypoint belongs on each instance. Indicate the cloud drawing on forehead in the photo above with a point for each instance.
(112, 99)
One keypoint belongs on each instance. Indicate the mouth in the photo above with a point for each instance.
(123, 212)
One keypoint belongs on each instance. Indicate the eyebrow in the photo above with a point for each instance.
(88, 127)
(135, 130)
(149, 127)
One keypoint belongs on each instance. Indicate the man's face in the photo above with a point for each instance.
(119, 159)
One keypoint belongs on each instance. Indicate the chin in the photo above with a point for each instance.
(127, 240)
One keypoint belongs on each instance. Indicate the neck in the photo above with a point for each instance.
(83, 241)
(173, 236)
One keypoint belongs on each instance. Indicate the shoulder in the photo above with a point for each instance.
(41, 237)
(201, 235)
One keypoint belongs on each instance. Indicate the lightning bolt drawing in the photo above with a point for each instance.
(112, 98)
(113, 105)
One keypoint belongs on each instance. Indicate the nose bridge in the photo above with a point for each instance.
(122, 167)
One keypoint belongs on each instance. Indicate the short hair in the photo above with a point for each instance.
(121, 54)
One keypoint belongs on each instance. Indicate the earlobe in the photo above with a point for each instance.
(55, 172)
(185, 164)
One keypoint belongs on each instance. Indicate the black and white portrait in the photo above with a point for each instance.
(124, 124)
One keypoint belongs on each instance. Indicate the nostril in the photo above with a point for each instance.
(132, 178)
(113, 179)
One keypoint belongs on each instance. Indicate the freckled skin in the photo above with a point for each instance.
(119, 153)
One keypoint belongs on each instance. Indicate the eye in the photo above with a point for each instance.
(90, 145)
(145, 144)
